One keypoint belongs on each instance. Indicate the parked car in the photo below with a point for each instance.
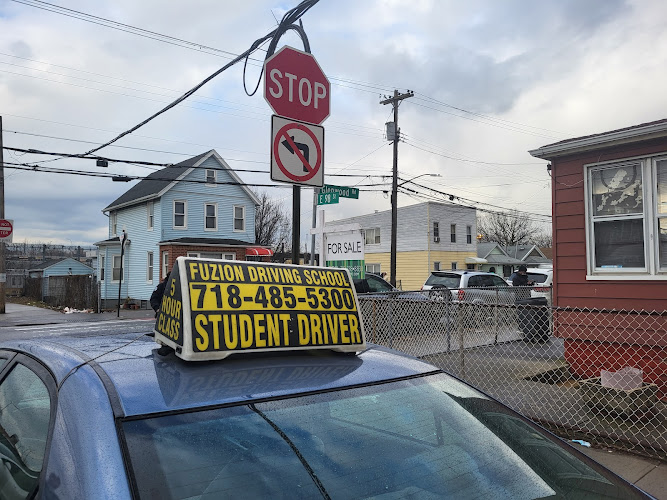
(376, 284)
(542, 282)
(471, 286)
(111, 417)
(542, 279)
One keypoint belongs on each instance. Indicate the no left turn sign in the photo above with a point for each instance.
(297, 152)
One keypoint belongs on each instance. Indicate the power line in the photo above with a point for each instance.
(128, 178)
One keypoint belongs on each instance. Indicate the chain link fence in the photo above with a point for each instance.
(544, 362)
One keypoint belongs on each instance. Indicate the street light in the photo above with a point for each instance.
(394, 224)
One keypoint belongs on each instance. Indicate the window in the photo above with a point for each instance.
(452, 230)
(165, 264)
(102, 266)
(372, 236)
(24, 421)
(149, 267)
(373, 268)
(210, 216)
(115, 275)
(113, 220)
(210, 176)
(436, 266)
(213, 255)
(468, 235)
(150, 210)
(436, 232)
(180, 218)
(239, 218)
(627, 219)
(470, 267)
(454, 266)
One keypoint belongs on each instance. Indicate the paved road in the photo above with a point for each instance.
(82, 329)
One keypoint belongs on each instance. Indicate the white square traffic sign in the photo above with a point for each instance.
(297, 152)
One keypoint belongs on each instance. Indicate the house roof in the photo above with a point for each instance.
(635, 133)
(484, 251)
(48, 263)
(210, 241)
(157, 183)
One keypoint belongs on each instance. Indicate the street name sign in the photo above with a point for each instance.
(343, 192)
(327, 198)
(297, 152)
(296, 87)
(6, 230)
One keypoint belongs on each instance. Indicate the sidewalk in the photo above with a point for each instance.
(22, 315)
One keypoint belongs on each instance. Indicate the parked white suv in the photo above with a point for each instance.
(543, 282)
(471, 286)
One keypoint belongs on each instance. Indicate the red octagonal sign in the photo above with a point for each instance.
(295, 86)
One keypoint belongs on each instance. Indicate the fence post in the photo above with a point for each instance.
(495, 319)
(462, 356)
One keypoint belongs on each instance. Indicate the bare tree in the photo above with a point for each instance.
(272, 225)
(512, 228)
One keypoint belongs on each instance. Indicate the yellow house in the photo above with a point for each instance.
(430, 236)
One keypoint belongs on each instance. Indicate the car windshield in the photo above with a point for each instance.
(426, 437)
(537, 277)
(450, 280)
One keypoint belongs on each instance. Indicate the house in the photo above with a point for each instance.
(609, 195)
(197, 208)
(495, 257)
(430, 237)
(58, 267)
(530, 255)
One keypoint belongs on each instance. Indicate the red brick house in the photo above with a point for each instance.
(610, 249)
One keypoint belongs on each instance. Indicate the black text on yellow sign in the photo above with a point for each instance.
(215, 272)
(170, 318)
(253, 297)
(241, 331)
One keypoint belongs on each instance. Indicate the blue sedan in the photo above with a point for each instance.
(111, 417)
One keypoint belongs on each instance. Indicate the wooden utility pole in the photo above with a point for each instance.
(394, 101)
(3, 266)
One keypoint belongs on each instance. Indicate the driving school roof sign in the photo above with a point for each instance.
(297, 152)
(214, 308)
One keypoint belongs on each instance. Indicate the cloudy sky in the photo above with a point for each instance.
(492, 80)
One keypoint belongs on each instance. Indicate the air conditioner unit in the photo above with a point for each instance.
(436, 239)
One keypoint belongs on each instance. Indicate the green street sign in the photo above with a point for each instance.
(327, 198)
(343, 192)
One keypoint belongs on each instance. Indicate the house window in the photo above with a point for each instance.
(115, 274)
(165, 264)
(149, 267)
(452, 230)
(239, 218)
(470, 267)
(150, 210)
(436, 266)
(373, 268)
(211, 216)
(468, 235)
(436, 232)
(213, 255)
(210, 176)
(102, 265)
(372, 236)
(454, 266)
(627, 219)
(180, 219)
(114, 223)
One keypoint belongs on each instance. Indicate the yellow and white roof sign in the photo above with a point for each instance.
(213, 308)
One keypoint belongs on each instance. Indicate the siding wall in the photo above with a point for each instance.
(596, 341)
(197, 195)
(569, 235)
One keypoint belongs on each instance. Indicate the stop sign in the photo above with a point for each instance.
(295, 86)
(6, 228)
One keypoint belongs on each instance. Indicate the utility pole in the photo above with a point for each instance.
(394, 101)
(3, 267)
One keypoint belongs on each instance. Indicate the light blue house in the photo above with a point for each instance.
(198, 208)
(62, 267)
